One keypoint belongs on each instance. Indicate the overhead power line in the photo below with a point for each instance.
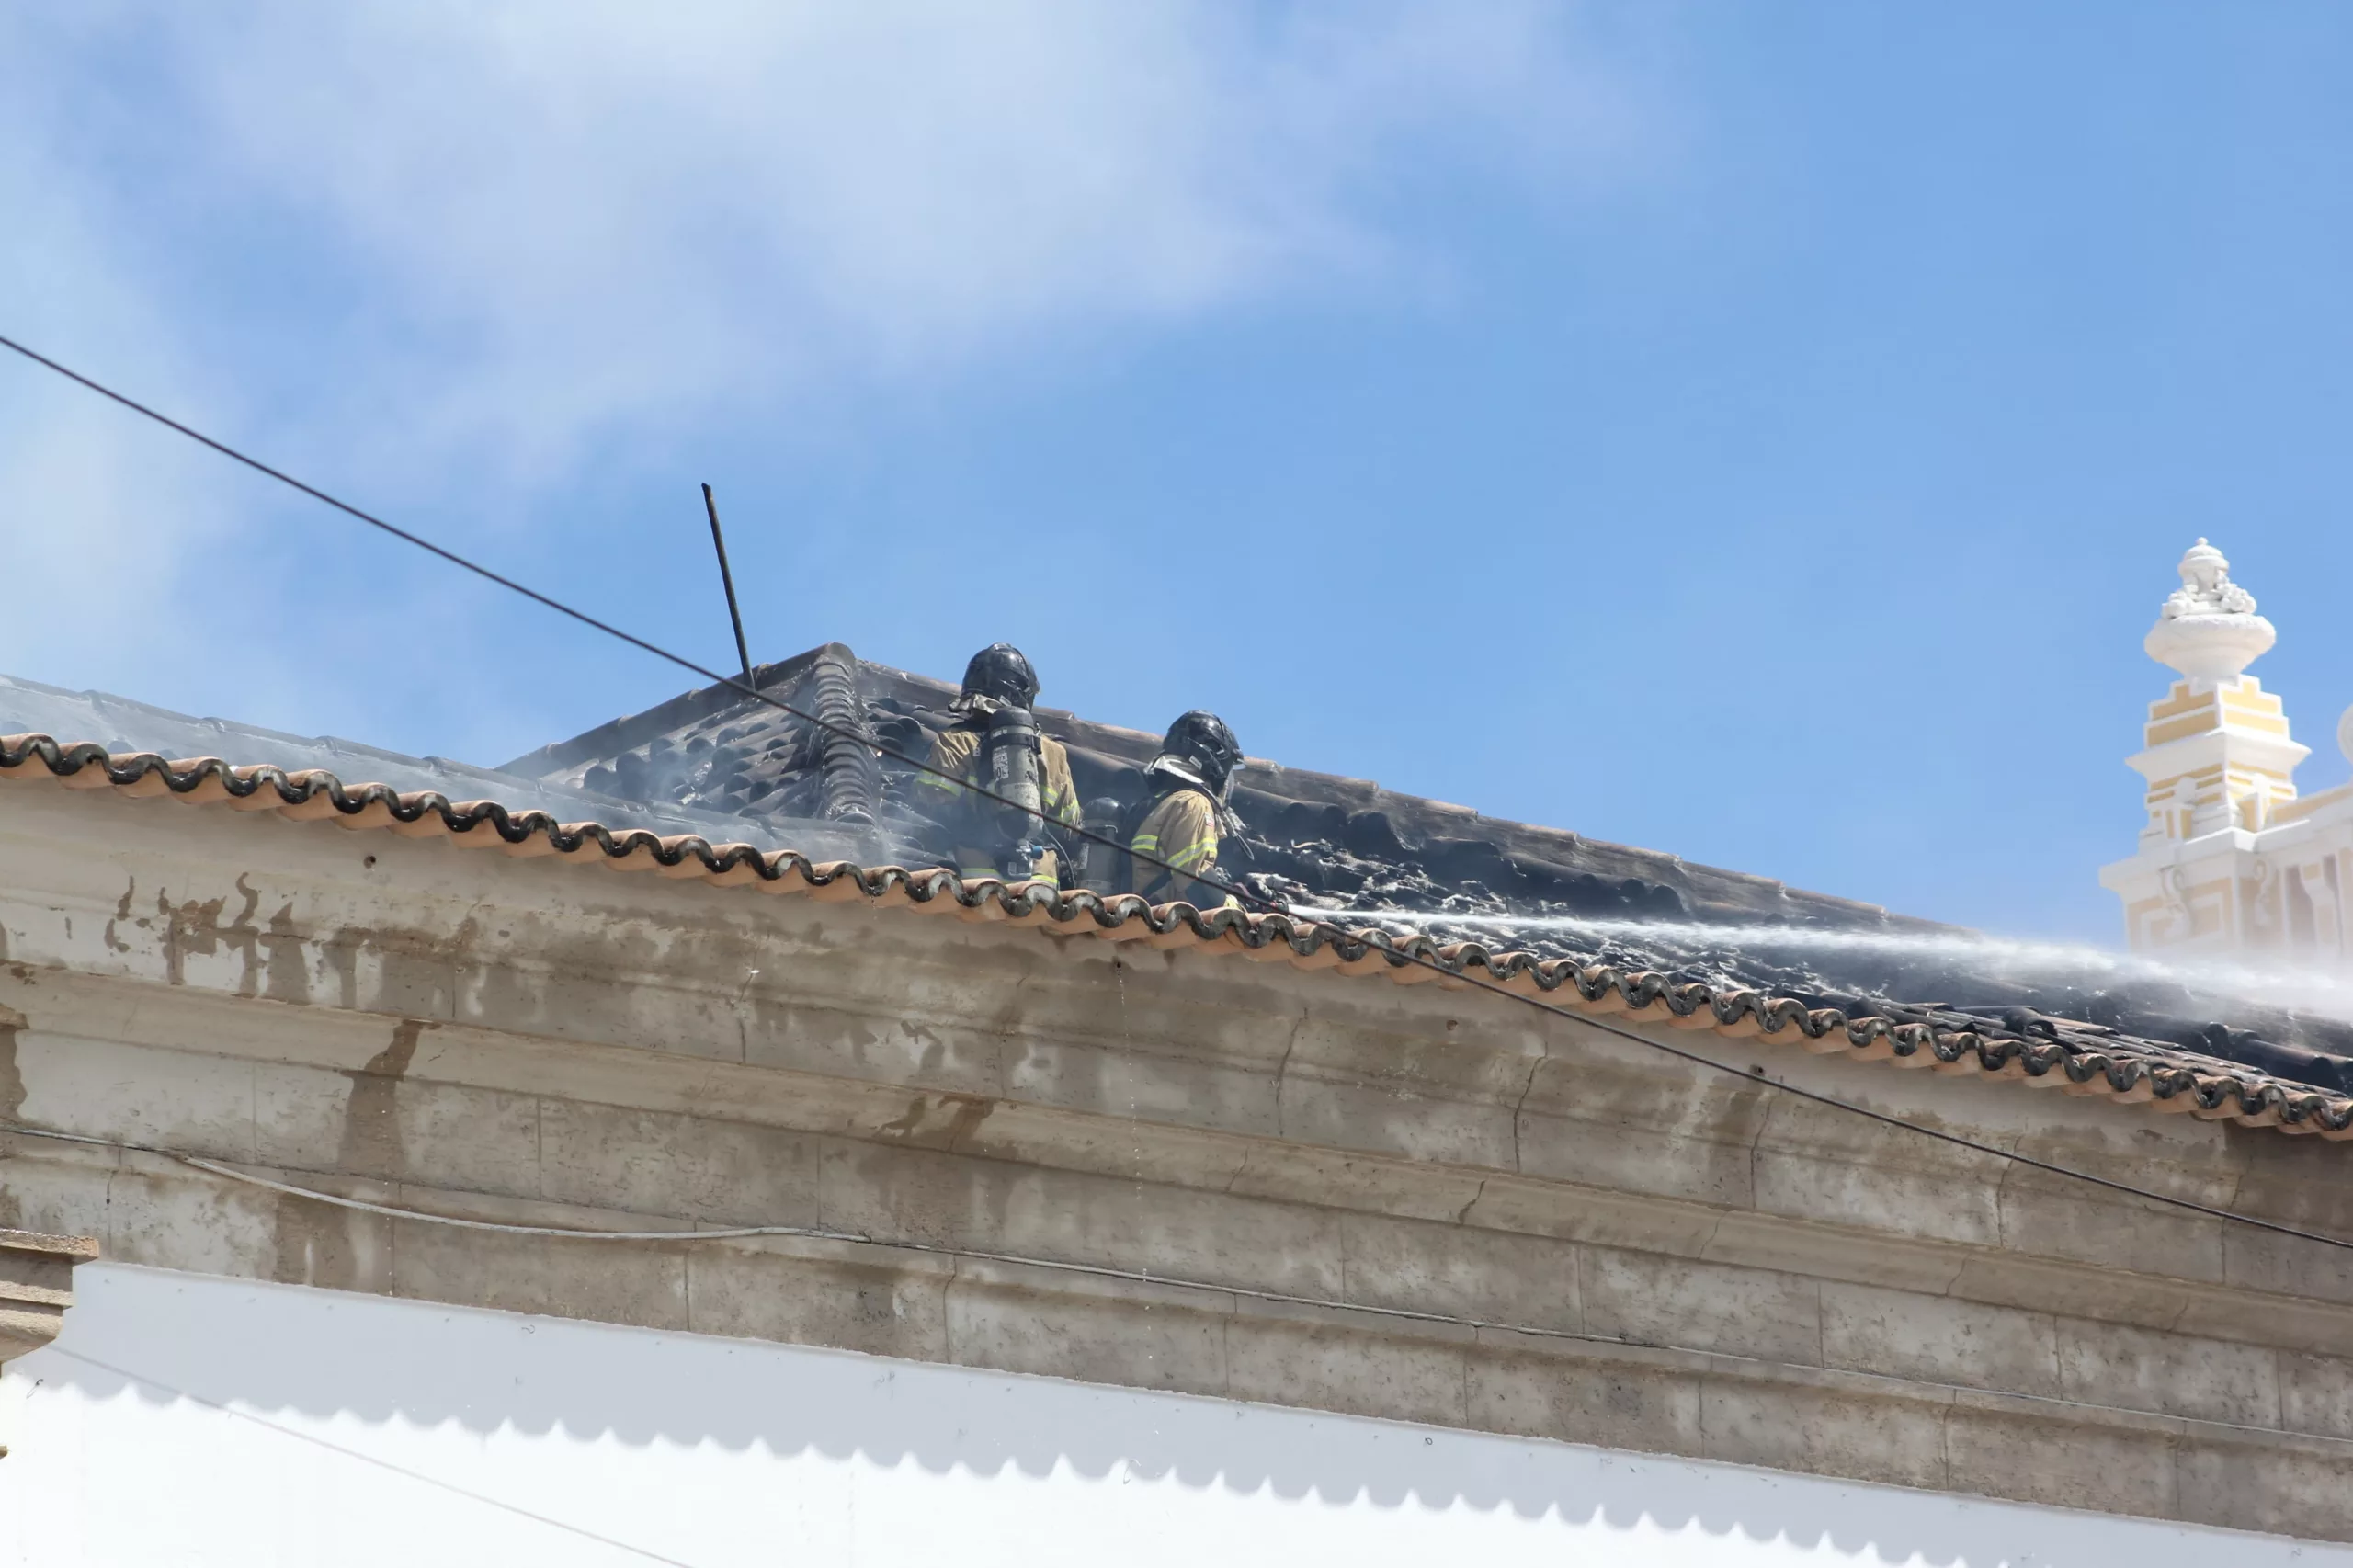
(1424, 960)
(742, 685)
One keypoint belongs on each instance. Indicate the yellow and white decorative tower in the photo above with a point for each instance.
(2231, 859)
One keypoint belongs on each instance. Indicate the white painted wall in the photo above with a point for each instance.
(259, 1425)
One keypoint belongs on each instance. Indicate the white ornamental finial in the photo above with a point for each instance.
(2208, 630)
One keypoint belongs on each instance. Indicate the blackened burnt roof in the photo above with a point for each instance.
(1320, 842)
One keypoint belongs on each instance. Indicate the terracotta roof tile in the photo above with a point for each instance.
(2081, 1058)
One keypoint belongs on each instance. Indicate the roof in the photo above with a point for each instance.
(1323, 843)
(2021, 1044)
(1316, 830)
(118, 726)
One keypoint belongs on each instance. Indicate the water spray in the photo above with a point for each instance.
(2074, 962)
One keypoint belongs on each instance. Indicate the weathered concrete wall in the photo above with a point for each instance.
(1709, 1269)
(186, 1420)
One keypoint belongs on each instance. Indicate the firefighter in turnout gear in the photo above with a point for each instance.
(994, 744)
(1183, 817)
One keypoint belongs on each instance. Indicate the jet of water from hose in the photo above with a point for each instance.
(2280, 985)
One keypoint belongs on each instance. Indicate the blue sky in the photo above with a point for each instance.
(1759, 433)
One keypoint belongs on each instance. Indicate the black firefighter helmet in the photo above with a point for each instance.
(1205, 744)
(1002, 674)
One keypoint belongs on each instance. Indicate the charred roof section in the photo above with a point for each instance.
(1315, 834)
(1321, 841)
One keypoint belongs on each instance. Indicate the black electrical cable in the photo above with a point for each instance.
(585, 618)
(1421, 960)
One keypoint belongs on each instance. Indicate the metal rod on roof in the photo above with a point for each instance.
(719, 542)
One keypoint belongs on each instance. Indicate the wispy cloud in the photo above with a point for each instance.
(492, 239)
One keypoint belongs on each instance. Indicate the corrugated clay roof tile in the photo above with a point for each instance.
(2082, 1062)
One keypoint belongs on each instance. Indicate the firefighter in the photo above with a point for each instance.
(994, 744)
(1183, 816)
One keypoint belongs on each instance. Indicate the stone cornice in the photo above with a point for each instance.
(2078, 1057)
(37, 1287)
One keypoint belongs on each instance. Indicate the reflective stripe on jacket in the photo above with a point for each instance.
(957, 753)
(1180, 829)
